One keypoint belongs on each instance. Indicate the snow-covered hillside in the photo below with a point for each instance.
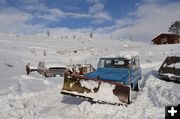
(35, 97)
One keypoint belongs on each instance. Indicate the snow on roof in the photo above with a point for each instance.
(171, 75)
(126, 55)
(55, 65)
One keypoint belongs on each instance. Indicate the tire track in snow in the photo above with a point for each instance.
(162, 93)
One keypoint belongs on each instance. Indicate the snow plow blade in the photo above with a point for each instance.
(96, 90)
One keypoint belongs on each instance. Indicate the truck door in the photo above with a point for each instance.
(135, 71)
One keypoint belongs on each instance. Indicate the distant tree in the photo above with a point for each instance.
(48, 33)
(91, 35)
(175, 28)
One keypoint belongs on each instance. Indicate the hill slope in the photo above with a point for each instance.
(33, 96)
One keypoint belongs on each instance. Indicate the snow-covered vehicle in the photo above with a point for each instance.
(170, 69)
(112, 82)
(51, 69)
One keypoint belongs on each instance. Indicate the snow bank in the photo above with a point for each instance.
(150, 103)
(151, 65)
(126, 55)
(36, 97)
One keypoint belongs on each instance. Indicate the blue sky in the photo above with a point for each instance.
(119, 18)
(108, 10)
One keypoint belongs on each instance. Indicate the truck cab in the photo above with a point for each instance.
(119, 69)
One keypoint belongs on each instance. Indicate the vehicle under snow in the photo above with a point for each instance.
(170, 69)
(51, 69)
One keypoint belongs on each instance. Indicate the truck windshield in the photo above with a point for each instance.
(113, 63)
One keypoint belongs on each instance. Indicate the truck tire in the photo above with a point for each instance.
(129, 100)
(130, 96)
(45, 74)
(137, 87)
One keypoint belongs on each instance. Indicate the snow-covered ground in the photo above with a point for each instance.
(35, 97)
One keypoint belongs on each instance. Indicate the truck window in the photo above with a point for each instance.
(101, 63)
(106, 63)
(119, 62)
(114, 63)
(109, 63)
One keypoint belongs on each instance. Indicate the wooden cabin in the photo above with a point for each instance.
(166, 39)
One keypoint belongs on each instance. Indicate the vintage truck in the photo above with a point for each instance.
(113, 82)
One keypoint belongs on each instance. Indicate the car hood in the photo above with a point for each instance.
(110, 74)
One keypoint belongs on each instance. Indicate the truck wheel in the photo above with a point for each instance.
(39, 71)
(129, 97)
(137, 87)
(129, 100)
(45, 74)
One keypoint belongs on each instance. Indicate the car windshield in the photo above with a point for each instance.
(114, 63)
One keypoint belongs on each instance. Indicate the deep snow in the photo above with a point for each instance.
(35, 97)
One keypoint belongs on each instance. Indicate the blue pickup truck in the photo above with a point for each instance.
(126, 71)
(112, 82)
